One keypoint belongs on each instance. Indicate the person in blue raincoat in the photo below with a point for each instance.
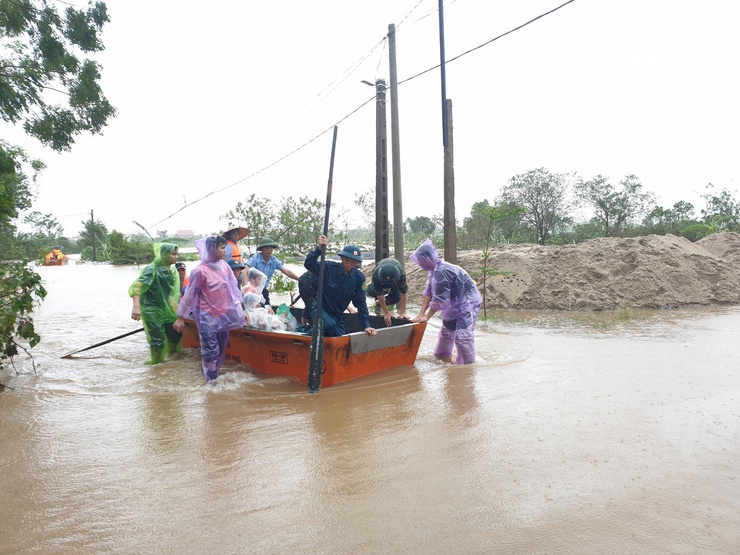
(342, 285)
(450, 291)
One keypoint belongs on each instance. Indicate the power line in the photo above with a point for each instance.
(488, 42)
(346, 74)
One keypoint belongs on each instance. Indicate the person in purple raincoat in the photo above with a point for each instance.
(215, 302)
(450, 291)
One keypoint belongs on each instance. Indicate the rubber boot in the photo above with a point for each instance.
(173, 348)
(210, 370)
(157, 356)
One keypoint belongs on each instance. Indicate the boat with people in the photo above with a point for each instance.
(347, 357)
(56, 257)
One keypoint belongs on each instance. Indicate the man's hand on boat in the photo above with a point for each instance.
(371, 331)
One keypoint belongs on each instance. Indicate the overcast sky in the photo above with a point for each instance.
(208, 95)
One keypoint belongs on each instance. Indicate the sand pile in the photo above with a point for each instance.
(604, 274)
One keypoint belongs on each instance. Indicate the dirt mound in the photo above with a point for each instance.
(603, 274)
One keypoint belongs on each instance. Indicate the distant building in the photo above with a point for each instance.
(185, 233)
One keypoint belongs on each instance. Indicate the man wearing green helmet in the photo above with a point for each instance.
(268, 264)
(388, 287)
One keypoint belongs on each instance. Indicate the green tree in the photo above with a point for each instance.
(45, 225)
(544, 197)
(493, 215)
(93, 234)
(302, 222)
(421, 225)
(614, 206)
(20, 287)
(256, 213)
(125, 251)
(50, 90)
(722, 205)
(296, 223)
(674, 220)
(475, 229)
(366, 203)
(46, 83)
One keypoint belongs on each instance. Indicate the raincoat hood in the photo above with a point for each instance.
(206, 248)
(426, 256)
(256, 279)
(162, 253)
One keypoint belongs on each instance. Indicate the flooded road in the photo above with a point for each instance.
(572, 434)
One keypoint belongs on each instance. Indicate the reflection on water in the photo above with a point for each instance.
(573, 433)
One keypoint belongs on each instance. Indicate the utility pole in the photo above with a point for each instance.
(398, 247)
(382, 248)
(92, 221)
(450, 232)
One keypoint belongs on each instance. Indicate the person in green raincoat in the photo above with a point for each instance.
(156, 294)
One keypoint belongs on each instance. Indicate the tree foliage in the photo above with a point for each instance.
(93, 233)
(544, 197)
(722, 209)
(44, 225)
(296, 222)
(673, 220)
(46, 83)
(20, 292)
(614, 206)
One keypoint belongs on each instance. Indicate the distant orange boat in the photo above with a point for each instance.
(56, 257)
(57, 262)
(347, 357)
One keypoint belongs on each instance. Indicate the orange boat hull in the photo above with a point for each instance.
(57, 262)
(345, 358)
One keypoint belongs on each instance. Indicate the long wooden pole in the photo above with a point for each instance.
(111, 340)
(315, 365)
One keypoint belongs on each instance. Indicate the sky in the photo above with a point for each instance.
(225, 99)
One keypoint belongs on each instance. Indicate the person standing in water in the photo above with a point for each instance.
(215, 302)
(450, 291)
(155, 294)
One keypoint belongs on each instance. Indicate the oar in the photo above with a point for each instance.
(103, 342)
(317, 334)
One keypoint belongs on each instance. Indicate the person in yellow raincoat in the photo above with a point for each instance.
(156, 294)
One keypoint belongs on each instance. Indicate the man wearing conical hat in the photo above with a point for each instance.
(268, 264)
(233, 236)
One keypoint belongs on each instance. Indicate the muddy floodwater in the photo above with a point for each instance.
(593, 433)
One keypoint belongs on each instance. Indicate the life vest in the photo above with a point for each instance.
(236, 251)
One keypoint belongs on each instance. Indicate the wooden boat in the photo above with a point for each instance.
(56, 262)
(347, 357)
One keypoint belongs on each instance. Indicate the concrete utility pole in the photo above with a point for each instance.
(398, 247)
(450, 232)
(382, 248)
